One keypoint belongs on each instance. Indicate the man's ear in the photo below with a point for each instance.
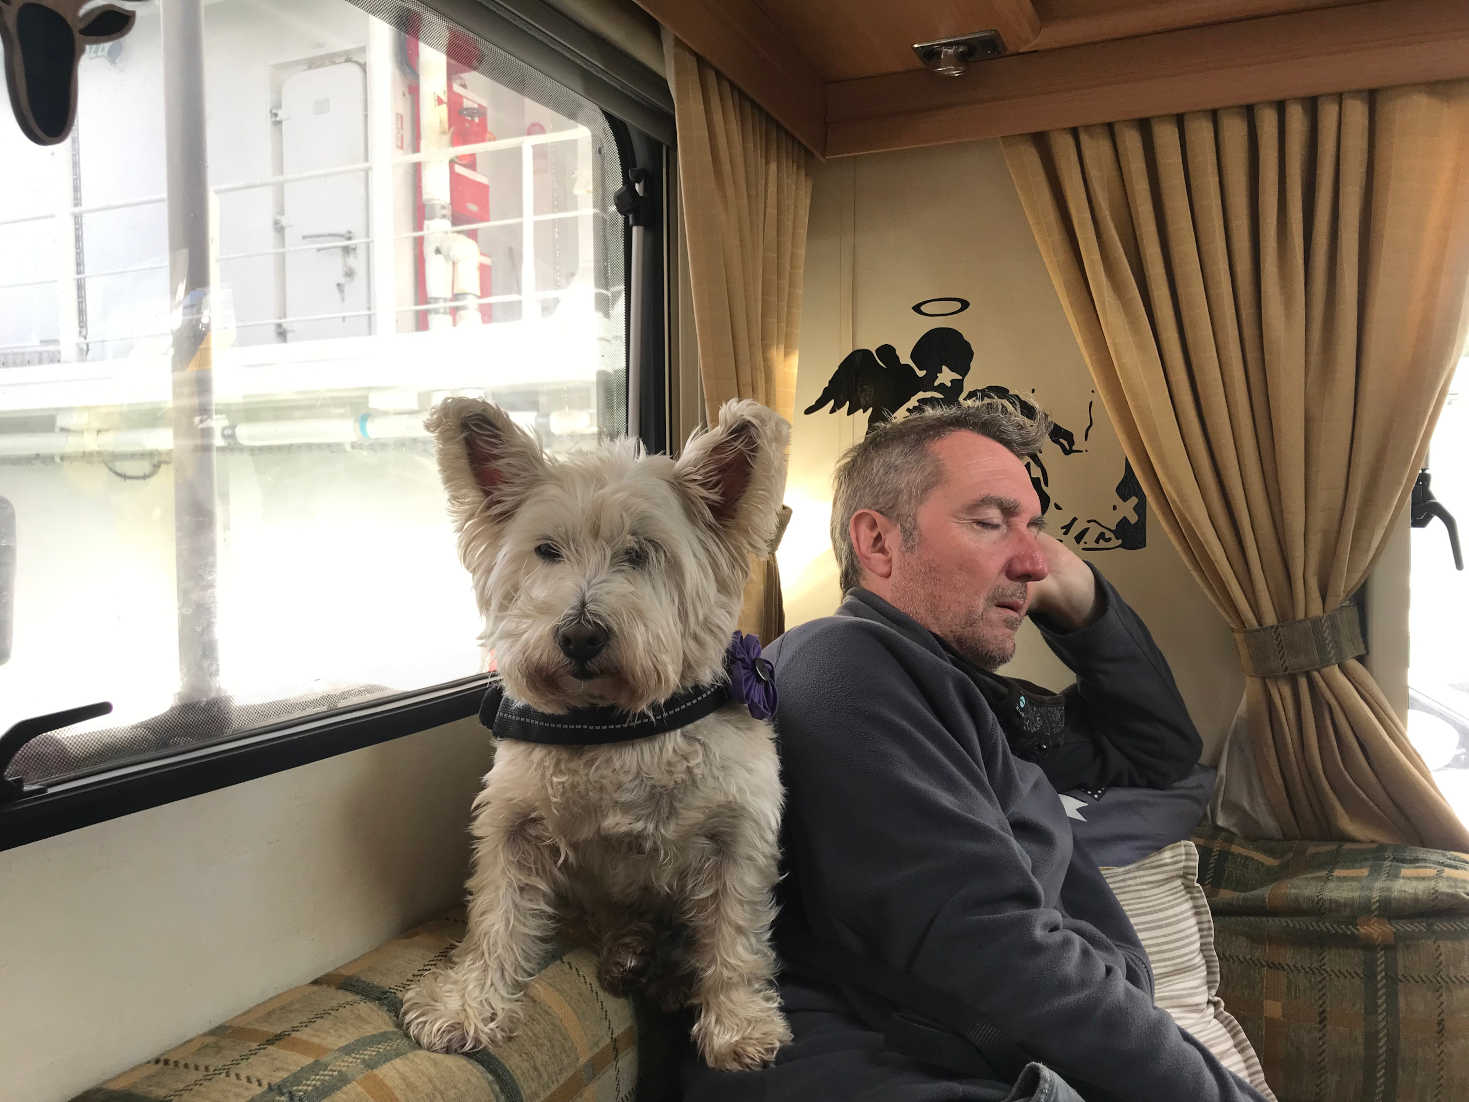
(487, 462)
(873, 539)
(734, 475)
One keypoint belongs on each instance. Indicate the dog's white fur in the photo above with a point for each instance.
(681, 827)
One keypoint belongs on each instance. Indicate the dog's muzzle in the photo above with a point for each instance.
(581, 641)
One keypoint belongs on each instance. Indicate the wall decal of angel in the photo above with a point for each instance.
(880, 384)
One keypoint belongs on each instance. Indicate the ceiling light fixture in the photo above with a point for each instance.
(951, 57)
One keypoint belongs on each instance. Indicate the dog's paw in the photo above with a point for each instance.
(441, 1015)
(669, 989)
(626, 959)
(740, 1032)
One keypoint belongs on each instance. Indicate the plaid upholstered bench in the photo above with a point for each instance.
(338, 1038)
(1347, 964)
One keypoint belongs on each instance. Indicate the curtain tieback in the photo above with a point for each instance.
(1296, 646)
(782, 519)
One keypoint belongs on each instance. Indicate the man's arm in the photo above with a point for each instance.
(1067, 598)
(899, 843)
(1126, 723)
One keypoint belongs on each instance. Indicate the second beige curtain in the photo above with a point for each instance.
(1271, 300)
(745, 190)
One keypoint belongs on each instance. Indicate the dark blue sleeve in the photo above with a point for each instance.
(1087, 897)
(1126, 722)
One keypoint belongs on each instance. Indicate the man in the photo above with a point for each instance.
(942, 939)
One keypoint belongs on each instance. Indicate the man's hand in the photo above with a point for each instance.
(1067, 596)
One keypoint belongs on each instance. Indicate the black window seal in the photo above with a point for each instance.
(108, 794)
(647, 162)
(539, 36)
(643, 131)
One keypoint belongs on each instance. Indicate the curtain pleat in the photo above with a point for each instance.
(745, 187)
(1271, 300)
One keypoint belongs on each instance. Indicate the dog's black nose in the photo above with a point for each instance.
(582, 640)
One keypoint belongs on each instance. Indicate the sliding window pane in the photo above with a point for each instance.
(227, 511)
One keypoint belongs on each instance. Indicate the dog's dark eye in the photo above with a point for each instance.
(549, 552)
(635, 556)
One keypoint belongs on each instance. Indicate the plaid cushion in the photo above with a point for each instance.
(338, 1037)
(1346, 963)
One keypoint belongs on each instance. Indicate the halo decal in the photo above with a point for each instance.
(922, 307)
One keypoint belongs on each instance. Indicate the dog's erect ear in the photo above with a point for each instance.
(736, 470)
(106, 23)
(487, 462)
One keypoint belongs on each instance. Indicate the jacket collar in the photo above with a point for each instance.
(1032, 718)
(866, 605)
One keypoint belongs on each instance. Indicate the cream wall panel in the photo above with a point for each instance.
(891, 230)
(126, 938)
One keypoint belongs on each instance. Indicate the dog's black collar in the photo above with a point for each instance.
(513, 719)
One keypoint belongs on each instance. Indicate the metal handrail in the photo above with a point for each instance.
(454, 304)
(94, 208)
(463, 227)
(524, 220)
(271, 181)
(497, 222)
(447, 153)
(80, 276)
(457, 228)
(574, 134)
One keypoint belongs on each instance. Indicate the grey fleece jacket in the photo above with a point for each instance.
(914, 834)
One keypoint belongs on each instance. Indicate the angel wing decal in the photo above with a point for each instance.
(876, 382)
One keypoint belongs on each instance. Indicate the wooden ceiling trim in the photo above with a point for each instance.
(1017, 22)
(1367, 45)
(846, 39)
(1076, 22)
(740, 40)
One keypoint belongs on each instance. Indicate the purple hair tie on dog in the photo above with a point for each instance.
(751, 678)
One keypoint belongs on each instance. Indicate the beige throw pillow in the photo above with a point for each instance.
(1162, 897)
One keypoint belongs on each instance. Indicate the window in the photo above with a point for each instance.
(1438, 681)
(226, 305)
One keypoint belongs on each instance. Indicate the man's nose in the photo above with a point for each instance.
(1028, 564)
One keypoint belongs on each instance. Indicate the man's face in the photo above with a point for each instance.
(966, 577)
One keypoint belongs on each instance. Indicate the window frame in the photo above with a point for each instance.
(639, 110)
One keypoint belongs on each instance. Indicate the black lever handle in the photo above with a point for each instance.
(1424, 508)
(27, 729)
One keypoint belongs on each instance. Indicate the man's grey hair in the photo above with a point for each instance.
(893, 469)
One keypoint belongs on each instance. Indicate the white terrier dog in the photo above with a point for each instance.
(628, 791)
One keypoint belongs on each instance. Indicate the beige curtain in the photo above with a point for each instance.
(745, 191)
(1271, 300)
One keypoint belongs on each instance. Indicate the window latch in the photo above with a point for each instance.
(633, 201)
(13, 788)
(1424, 507)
